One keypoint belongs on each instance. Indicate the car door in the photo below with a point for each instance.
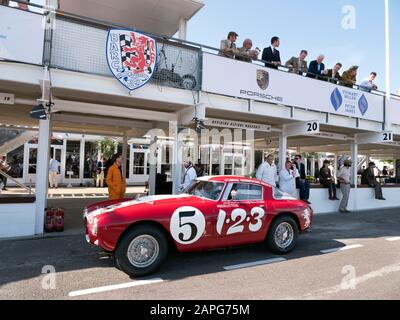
(241, 214)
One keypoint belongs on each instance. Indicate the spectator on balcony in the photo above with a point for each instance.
(368, 83)
(316, 68)
(24, 6)
(271, 55)
(333, 74)
(228, 47)
(298, 64)
(349, 77)
(246, 53)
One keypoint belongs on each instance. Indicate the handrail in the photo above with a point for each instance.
(29, 189)
(106, 25)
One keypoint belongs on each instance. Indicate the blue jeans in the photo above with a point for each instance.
(304, 189)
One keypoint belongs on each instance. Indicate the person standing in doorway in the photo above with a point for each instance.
(101, 167)
(53, 172)
(345, 185)
(5, 168)
(301, 182)
(189, 176)
(115, 179)
(267, 171)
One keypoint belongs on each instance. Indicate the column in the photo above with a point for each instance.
(82, 159)
(124, 154)
(153, 166)
(176, 157)
(42, 174)
(282, 150)
(312, 169)
(182, 28)
(354, 158)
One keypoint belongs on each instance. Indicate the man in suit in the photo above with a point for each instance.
(298, 64)
(316, 68)
(333, 74)
(228, 47)
(369, 178)
(271, 55)
(246, 53)
(301, 182)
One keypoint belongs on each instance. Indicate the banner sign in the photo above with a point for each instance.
(131, 57)
(231, 124)
(393, 111)
(250, 81)
(21, 35)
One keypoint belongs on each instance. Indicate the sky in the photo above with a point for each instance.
(314, 25)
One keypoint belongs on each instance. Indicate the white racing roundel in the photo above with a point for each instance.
(131, 57)
(187, 225)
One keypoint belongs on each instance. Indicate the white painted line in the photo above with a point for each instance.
(114, 287)
(354, 246)
(393, 239)
(253, 264)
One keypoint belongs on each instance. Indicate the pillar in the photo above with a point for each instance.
(282, 150)
(312, 169)
(354, 157)
(42, 174)
(124, 154)
(153, 166)
(182, 28)
(176, 157)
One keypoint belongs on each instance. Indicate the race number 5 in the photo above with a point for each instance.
(187, 225)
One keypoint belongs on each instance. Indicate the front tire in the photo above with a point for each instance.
(282, 235)
(141, 251)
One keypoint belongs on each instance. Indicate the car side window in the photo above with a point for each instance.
(245, 192)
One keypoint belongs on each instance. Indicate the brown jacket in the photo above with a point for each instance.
(296, 66)
(348, 79)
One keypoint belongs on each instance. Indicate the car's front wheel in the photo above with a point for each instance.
(141, 251)
(282, 235)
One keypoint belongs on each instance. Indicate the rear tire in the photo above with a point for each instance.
(141, 251)
(282, 235)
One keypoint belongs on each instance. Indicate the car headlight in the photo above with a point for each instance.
(95, 227)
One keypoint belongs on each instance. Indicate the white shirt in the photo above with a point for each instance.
(267, 173)
(189, 176)
(366, 84)
(54, 164)
(287, 182)
(345, 174)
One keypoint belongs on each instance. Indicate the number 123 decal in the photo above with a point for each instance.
(239, 216)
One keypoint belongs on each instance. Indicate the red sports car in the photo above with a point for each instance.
(215, 212)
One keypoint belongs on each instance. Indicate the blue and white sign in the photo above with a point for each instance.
(131, 57)
(220, 75)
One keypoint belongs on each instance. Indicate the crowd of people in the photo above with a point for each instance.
(296, 64)
(293, 177)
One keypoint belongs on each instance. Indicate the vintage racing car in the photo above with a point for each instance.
(214, 212)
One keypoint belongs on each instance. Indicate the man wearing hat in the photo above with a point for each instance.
(345, 185)
(228, 47)
(369, 178)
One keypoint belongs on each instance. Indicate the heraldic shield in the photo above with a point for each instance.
(262, 79)
(131, 57)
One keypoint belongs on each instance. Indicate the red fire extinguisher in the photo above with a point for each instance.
(49, 220)
(59, 220)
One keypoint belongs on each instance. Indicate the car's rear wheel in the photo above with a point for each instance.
(141, 251)
(282, 235)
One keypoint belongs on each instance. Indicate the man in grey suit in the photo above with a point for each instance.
(228, 47)
(298, 64)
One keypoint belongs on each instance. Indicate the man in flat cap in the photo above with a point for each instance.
(228, 47)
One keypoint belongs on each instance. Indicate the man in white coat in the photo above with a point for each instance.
(189, 176)
(287, 179)
(268, 171)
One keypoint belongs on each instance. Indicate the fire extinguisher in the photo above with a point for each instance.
(59, 220)
(49, 220)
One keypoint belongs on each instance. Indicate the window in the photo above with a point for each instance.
(245, 191)
(72, 159)
(206, 189)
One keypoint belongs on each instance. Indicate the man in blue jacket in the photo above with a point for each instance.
(316, 68)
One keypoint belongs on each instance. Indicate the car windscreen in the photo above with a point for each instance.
(206, 189)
